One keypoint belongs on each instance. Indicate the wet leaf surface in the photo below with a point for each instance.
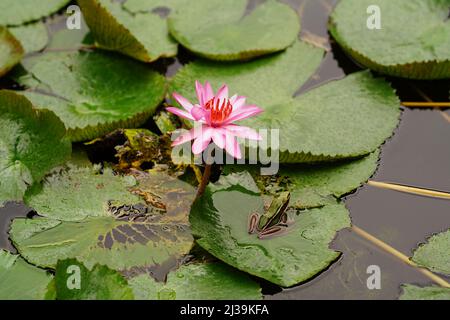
(413, 42)
(220, 221)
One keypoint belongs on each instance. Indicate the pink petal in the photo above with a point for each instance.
(223, 92)
(232, 147)
(238, 102)
(203, 139)
(244, 114)
(183, 101)
(200, 93)
(183, 138)
(208, 92)
(218, 138)
(180, 113)
(243, 132)
(197, 112)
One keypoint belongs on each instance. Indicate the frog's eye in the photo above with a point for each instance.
(252, 222)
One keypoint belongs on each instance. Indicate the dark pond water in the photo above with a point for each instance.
(417, 155)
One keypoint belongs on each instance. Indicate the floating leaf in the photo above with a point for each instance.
(32, 142)
(136, 6)
(314, 186)
(220, 220)
(413, 41)
(221, 30)
(95, 93)
(435, 254)
(11, 51)
(143, 36)
(33, 37)
(411, 292)
(73, 281)
(347, 118)
(199, 281)
(13, 12)
(19, 280)
(121, 230)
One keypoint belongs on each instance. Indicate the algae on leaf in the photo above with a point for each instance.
(129, 224)
(19, 280)
(222, 30)
(198, 281)
(94, 93)
(435, 253)
(413, 40)
(14, 12)
(143, 36)
(32, 143)
(11, 51)
(220, 221)
(411, 292)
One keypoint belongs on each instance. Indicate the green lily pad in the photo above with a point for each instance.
(313, 186)
(411, 292)
(33, 142)
(435, 254)
(94, 93)
(11, 51)
(413, 42)
(130, 228)
(221, 30)
(199, 281)
(220, 221)
(13, 12)
(33, 37)
(143, 36)
(73, 281)
(347, 118)
(19, 280)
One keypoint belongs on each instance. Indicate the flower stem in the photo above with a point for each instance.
(205, 180)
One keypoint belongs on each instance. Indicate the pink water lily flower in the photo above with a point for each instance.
(216, 115)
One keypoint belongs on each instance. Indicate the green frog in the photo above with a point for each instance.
(274, 221)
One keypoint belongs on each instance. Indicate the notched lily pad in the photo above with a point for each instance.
(313, 185)
(221, 30)
(19, 280)
(220, 220)
(11, 51)
(13, 12)
(413, 40)
(32, 143)
(143, 36)
(94, 93)
(99, 218)
(73, 281)
(435, 253)
(198, 281)
(411, 292)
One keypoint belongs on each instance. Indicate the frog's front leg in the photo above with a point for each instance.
(253, 220)
(272, 232)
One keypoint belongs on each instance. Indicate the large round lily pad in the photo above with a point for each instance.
(128, 225)
(220, 221)
(94, 93)
(142, 35)
(198, 281)
(32, 142)
(13, 12)
(413, 41)
(224, 30)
